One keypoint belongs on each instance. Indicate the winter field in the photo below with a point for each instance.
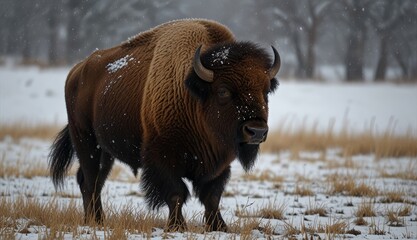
(340, 162)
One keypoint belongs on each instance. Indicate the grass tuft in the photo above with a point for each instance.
(303, 191)
(264, 176)
(408, 172)
(316, 209)
(365, 209)
(347, 185)
(393, 196)
(270, 211)
(360, 221)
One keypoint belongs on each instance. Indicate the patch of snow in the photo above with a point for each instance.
(119, 64)
(221, 55)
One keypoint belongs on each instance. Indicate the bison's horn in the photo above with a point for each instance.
(276, 65)
(202, 72)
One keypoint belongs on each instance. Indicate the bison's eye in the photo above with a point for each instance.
(223, 93)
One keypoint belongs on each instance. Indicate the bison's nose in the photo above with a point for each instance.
(255, 134)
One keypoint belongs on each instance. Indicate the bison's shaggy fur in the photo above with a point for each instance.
(144, 103)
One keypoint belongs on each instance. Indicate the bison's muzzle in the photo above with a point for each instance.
(254, 132)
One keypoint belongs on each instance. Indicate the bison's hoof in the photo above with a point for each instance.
(177, 228)
(219, 227)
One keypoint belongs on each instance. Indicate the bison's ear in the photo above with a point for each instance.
(198, 87)
(274, 85)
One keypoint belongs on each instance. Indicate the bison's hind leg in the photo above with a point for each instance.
(91, 178)
(95, 165)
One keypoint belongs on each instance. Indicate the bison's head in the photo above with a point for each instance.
(232, 82)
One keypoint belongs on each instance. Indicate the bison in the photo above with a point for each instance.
(181, 100)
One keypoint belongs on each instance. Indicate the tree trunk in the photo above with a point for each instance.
(300, 69)
(311, 59)
(355, 49)
(73, 31)
(412, 69)
(53, 35)
(401, 63)
(26, 50)
(381, 68)
(354, 56)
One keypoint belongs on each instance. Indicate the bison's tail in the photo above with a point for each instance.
(60, 157)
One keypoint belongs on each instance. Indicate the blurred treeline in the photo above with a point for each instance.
(361, 39)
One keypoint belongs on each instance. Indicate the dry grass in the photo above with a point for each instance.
(395, 215)
(55, 220)
(263, 176)
(382, 145)
(273, 211)
(22, 129)
(393, 196)
(331, 230)
(21, 168)
(243, 228)
(360, 221)
(334, 228)
(386, 144)
(408, 172)
(270, 211)
(394, 219)
(346, 163)
(67, 218)
(404, 210)
(302, 190)
(49, 214)
(38, 167)
(316, 209)
(375, 229)
(347, 185)
(365, 209)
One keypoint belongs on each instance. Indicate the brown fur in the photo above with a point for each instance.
(155, 112)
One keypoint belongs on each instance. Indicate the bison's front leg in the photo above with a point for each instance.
(176, 221)
(210, 194)
(163, 185)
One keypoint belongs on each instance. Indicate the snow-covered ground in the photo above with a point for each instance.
(33, 95)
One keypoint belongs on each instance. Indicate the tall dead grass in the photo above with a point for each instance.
(385, 144)
(52, 220)
(382, 145)
(21, 129)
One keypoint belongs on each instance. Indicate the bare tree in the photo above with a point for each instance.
(404, 42)
(52, 20)
(302, 20)
(77, 10)
(8, 13)
(355, 33)
(354, 14)
(386, 15)
(109, 22)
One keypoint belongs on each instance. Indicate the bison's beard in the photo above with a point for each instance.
(247, 154)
